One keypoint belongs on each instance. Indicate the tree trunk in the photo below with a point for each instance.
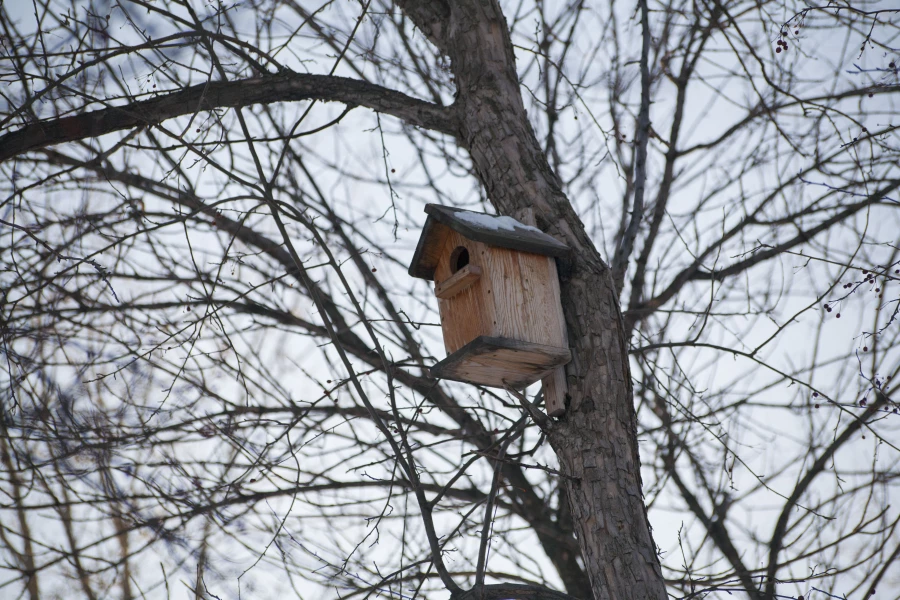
(596, 441)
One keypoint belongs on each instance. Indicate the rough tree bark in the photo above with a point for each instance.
(596, 441)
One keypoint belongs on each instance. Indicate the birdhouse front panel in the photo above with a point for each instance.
(498, 296)
(512, 294)
(469, 312)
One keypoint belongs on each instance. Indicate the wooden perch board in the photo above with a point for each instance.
(498, 362)
(457, 282)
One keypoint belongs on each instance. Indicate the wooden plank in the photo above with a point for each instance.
(428, 250)
(554, 299)
(555, 385)
(498, 362)
(457, 282)
(524, 291)
(523, 239)
(468, 314)
(555, 388)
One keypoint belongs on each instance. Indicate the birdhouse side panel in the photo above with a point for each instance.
(524, 292)
(554, 299)
(468, 314)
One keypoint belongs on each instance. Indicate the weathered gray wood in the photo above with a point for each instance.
(501, 362)
(457, 282)
(428, 250)
(554, 388)
(525, 238)
(442, 218)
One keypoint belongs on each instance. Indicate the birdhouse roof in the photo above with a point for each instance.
(504, 232)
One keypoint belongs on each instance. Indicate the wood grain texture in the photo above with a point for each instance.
(524, 291)
(501, 362)
(554, 388)
(468, 314)
(457, 282)
(428, 250)
(516, 297)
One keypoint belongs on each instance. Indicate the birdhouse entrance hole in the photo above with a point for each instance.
(459, 258)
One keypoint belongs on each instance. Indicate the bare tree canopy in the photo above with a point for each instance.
(216, 376)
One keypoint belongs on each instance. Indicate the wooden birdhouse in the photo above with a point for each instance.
(498, 295)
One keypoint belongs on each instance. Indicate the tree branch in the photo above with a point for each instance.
(623, 252)
(558, 542)
(763, 253)
(284, 87)
(781, 527)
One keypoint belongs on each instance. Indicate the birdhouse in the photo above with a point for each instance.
(498, 295)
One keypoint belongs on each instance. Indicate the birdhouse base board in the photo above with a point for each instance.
(501, 362)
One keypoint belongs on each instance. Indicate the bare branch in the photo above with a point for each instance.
(283, 87)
